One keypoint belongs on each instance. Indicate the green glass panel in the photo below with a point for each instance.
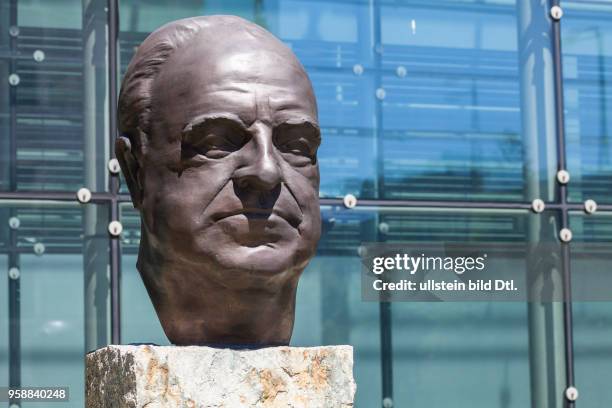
(58, 248)
(4, 318)
(476, 354)
(591, 258)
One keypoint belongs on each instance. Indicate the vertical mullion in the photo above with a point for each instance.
(115, 261)
(561, 159)
(14, 285)
(386, 350)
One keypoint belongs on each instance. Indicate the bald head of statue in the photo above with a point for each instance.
(218, 145)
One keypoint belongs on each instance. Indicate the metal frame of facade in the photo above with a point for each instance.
(114, 198)
(561, 163)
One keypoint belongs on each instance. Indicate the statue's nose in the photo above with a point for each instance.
(261, 171)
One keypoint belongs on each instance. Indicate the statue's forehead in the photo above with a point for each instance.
(240, 78)
(209, 63)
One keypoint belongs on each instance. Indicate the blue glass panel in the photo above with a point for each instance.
(587, 79)
(456, 82)
(451, 124)
(53, 120)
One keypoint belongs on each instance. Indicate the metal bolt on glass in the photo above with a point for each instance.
(383, 227)
(401, 71)
(84, 195)
(115, 228)
(565, 235)
(39, 248)
(563, 176)
(14, 223)
(113, 166)
(387, 403)
(380, 94)
(14, 79)
(362, 251)
(14, 273)
(538, 205)
(358, 69)
(571, 393)
(13, 31)
(38, 55)
(556, 12)
(590, 206)
(350, 201)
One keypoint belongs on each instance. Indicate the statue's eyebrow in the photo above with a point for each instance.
(211, 117)
(303, 122)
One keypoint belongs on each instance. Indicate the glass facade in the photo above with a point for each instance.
(444, 118)
(587, 57)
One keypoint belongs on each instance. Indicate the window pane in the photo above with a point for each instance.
(592, 256)
(53, 118)
(329, 308)
(587, 76)
(447, 105)
(461, 93)
(61, 249)
(464, 346)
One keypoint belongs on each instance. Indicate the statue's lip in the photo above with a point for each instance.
(258, 214)
(249, 212)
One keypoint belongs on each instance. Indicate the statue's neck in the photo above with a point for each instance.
(218, 312)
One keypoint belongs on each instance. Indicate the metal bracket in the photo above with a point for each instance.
(350, 201)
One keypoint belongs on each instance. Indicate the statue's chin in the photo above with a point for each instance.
(264, 260)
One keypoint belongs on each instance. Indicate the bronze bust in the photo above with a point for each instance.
(218, 144)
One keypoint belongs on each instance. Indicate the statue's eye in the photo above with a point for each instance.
(215, 139)
(300, 147)
(298, 142)
(216, 146)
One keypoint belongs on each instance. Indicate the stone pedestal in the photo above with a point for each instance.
(190, 377)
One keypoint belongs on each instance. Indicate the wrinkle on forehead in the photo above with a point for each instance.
(200, 78)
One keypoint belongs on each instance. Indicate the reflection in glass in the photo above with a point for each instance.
(511, 352)
(587, 80)
(436, 110)
(59, 249)
(590, 261)
(461, 92)
(52, 343)
(52, 119)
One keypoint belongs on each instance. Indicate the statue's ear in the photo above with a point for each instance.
(130, 167)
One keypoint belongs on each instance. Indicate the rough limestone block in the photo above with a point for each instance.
(190, 377)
